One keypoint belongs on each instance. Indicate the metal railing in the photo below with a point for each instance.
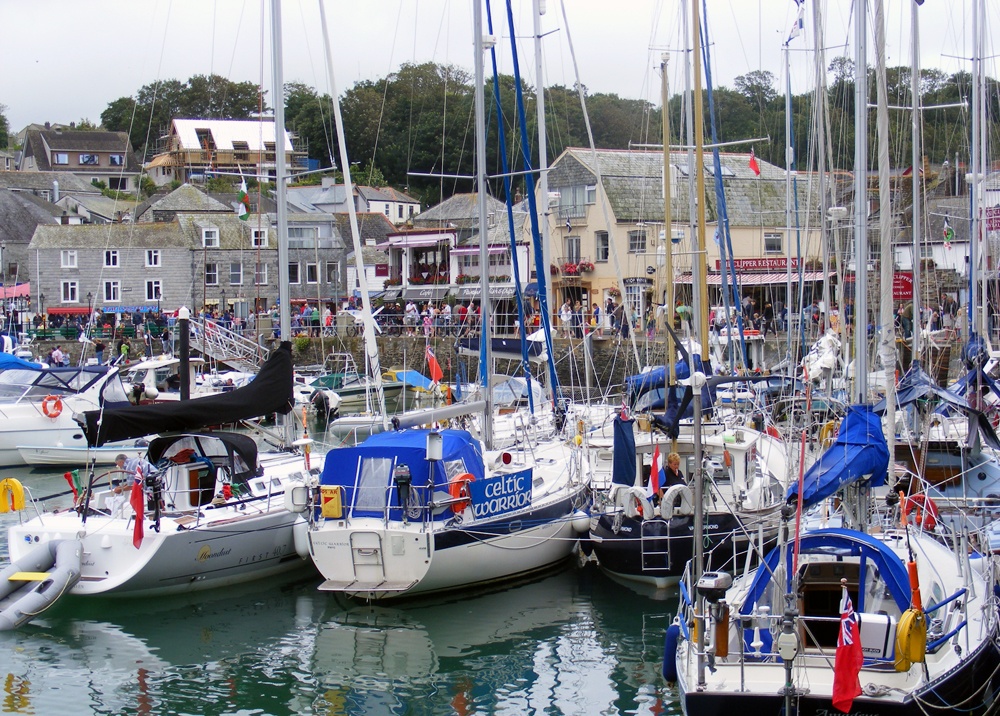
(227, 346)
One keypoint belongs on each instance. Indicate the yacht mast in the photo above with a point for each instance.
(484, 257)
(543, 174)
(861, 205)
(917, 162)
(668, 312)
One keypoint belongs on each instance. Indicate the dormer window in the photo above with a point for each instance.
(210, 238)
(258, 239)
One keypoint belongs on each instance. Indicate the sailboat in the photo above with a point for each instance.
(873, 616)
(421, 510)
(208, 508)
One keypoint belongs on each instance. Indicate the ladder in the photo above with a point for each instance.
(226, 346)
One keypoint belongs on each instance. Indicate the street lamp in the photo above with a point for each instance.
(41, 307)
(223, 300)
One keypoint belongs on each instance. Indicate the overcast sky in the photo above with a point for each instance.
(64, 60)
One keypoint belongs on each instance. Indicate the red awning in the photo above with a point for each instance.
(68, 311)
(758, 279)
(21, 289)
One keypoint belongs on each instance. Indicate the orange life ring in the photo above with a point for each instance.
(926, 512)
(458, 488)
(52, 406)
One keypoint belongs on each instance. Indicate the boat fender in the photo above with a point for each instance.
(677, 501)
(669, 670)
(11, 495)
(828, 433)
(300, 537)
(925, 512)
(581, 522)
(458, 488)
(52, 406)
(636, 505)
(911, 639)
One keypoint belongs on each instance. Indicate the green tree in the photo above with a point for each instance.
(4, 127)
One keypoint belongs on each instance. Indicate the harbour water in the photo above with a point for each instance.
(573, 642)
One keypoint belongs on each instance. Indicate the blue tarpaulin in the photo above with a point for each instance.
(860, 450)
(11, 361)
(623, 457)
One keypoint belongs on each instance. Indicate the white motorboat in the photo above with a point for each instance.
(38, 405)
(421, 511)
(78, 456)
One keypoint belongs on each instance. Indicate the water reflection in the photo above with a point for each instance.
(575, 642)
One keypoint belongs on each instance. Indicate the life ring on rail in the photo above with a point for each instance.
(925, 511)
(458, 488)
(11, 495)
(52, 406)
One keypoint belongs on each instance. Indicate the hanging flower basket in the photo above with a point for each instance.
(614, 292)
(553, 270)
(465, 278)
(585, 267)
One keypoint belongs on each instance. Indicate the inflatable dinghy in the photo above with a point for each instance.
(33, 583)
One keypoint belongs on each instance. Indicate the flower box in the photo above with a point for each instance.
(570, 269)
(585, 267)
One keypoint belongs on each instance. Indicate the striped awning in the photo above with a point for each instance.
(757, 279)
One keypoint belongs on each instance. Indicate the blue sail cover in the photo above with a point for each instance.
(623, 457)
(11, 361)
(366, 472)
(860, 450)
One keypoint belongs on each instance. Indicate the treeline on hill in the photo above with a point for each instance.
(419, 120)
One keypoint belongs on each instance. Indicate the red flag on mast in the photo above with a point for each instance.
(433, 367)
(847, 663)
(138, 501)
(753, 162)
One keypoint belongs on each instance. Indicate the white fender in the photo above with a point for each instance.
(636, 504)
(677, 501)
(300, 537)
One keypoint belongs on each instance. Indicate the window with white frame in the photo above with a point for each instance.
(69, 292)
(152, 258)
(637, 241)
(210, 238)
(67, 258)
(60, 158)
(236, 273)
(153, 290)
(602, 247)
(592, 194)
(500, 259)
(112, 292)
(293, 272)
(573, 249)
(260, 274)
(312, 273)
(258, 239)
(772, 243)
(89, 160)
(116, 160)
(211, 274)
(399, 212)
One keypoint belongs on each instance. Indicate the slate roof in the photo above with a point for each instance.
(461, 210)
(266, 203)
(20, 215)
(633, 183)
(42, 181)
(188, 198)
(105, 206)
(398, 196)
(100, 236)
(374, 227)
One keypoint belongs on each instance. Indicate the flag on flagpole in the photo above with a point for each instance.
(138, 501)
(433, 367)
(655, 474)
(569, 225)
(799, 22)
(849, 658)
(753, 162)
(949, 233)
(243, 208)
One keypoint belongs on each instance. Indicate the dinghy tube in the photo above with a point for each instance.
(33, 584)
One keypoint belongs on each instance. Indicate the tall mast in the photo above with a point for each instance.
(543, 171)
(917, 161)
(698, 309)
(861, 205)
(821, 144)
(668, 312)
(789, 149)
(484, 257)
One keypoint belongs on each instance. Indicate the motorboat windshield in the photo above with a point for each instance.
(18, 384)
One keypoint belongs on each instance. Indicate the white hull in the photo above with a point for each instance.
(246, 538)
(76, 456)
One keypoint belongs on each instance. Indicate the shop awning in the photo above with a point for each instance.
(21, 289)
(133, 309)
(68, 311)
(474, 290)
(391, 294)
(425, 293)
(757, 279)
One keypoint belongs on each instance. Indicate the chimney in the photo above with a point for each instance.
(55, 191)
(48, 125)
